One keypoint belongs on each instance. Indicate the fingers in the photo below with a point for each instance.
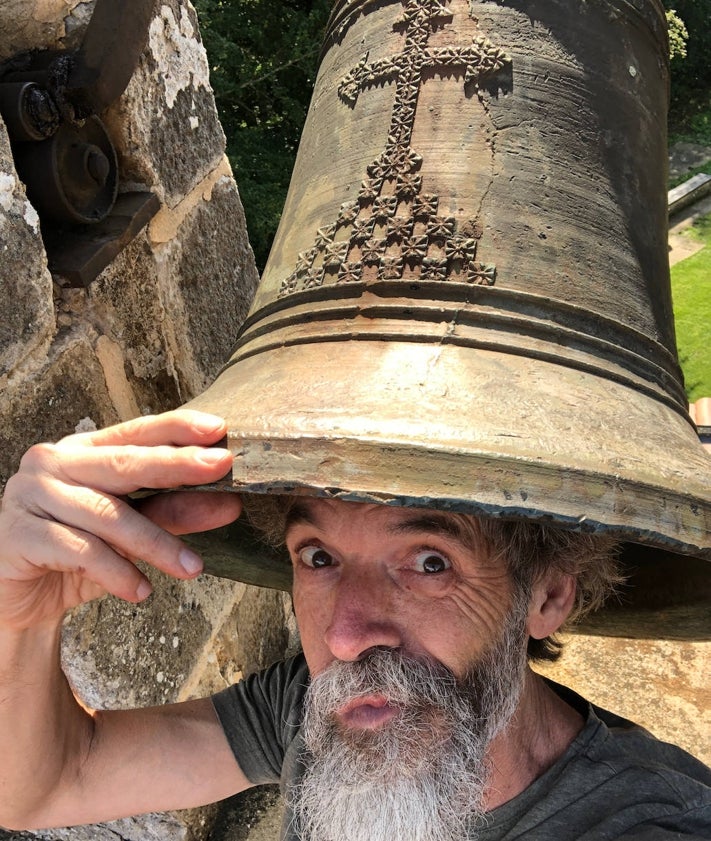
(124, 469)
(186, 512)
(180, 427)
(89, 567)
(107, 523)
(66, 526)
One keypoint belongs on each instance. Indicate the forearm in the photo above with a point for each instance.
(43, 731)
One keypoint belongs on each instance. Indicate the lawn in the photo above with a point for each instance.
(691, 290)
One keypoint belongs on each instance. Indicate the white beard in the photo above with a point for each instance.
(420, 777)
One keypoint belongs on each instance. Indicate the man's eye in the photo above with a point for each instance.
(431, 562)
(315, 556)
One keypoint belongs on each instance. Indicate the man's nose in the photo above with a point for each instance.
(362, 618)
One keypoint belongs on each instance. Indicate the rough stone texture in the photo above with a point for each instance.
(190, 639)
(27, 26)
(177, 305)
(172, 79)
(66, 395)
(149, 827)
(216, 279)
(125, 301)
(660, 684)
(27, 322)
(253, 815)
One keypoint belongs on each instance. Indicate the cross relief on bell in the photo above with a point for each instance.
(393, 229)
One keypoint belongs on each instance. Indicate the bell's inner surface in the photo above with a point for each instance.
(467, 304)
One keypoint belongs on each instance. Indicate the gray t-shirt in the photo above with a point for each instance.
(615, 781)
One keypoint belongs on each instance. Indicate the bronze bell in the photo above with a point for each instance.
(467, 304)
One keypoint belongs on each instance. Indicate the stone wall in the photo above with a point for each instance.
(149, 333)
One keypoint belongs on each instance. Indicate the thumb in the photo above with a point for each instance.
(186, 512)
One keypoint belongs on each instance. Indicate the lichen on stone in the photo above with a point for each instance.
(178, 52)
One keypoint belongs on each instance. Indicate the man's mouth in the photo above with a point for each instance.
(368, 712)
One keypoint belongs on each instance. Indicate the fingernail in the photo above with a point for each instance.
(208, 423)
(190, 562)
(143, 590)
(212, 455)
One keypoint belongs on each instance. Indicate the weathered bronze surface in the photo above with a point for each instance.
(467, 305)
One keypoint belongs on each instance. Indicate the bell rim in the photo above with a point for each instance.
(484, 503)
(626, 464)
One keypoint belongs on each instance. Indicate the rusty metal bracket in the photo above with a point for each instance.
(50, 102)
(78, 256)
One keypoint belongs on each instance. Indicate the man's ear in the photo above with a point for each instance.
(551, 602)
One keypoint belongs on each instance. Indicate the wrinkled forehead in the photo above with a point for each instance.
(329, 515)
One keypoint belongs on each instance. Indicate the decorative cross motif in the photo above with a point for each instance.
(400, 226)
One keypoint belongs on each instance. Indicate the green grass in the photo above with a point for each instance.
(691, 290)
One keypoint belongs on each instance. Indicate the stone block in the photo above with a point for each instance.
(27, 323)
(120, 655)
(149, 827)
(253, 815)
(214, 276)
(66, 394)
(165, 126)
(175, 305)
(659, 684)
(185, 641)
(37, 24)
(126, 306)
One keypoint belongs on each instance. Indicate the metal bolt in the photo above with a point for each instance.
(97, 164)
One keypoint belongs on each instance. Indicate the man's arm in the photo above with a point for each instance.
(68, 534)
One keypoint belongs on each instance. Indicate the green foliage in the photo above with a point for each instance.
(678, 35)
(696, 125)
(690, 75)
(691, 290)
(263, 58)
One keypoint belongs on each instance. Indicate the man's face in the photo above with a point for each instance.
(417, 659)
(367, 576)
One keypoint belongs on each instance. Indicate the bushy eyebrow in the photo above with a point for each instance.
(432, 523)
(435, 524)
(299, 514)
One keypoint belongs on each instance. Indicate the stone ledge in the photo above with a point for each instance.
(689, 192)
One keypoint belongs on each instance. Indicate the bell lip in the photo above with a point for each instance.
(686, 532)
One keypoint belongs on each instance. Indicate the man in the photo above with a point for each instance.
(421, 718)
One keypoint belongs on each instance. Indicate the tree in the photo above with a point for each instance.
(691, 71)
(263, 58)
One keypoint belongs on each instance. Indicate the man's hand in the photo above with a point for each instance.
(68, 532)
